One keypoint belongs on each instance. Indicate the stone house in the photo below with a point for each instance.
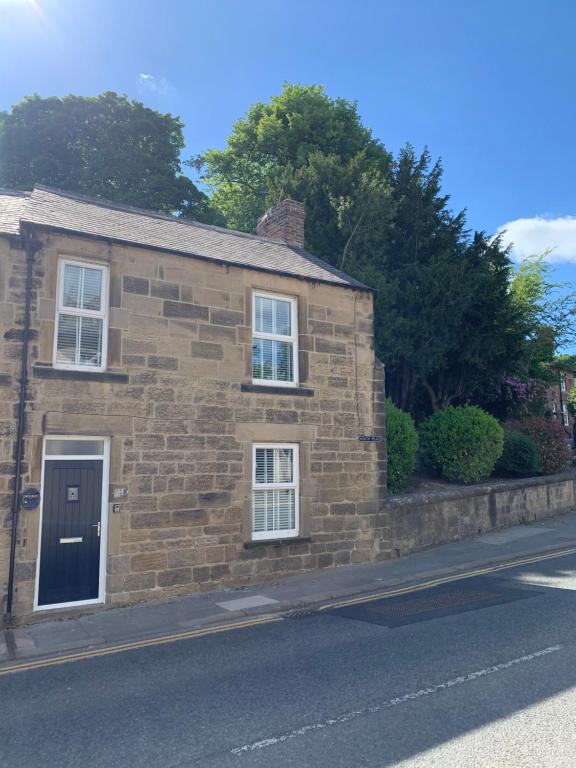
(181, 406)
(557, 398)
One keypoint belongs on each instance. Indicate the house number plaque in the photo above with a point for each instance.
(30, 498)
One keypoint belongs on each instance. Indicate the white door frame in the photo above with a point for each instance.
(105, 459)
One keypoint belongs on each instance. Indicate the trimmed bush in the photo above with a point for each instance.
(551, 440)
(402, 444)
(462, 443)
(520, 456)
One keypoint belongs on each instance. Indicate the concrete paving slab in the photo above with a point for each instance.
(58, 635)
(513, 534)
(242, 603)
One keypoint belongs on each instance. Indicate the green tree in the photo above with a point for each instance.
(269, 147)
(491, 343)
(105, 146)
(572, 401)
(348, 207)
(549, 311)
(446, 324)
(420, 303)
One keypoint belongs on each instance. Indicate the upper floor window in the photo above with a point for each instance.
(274, 340)
(563, 382)
(565, 419)
(81, 316)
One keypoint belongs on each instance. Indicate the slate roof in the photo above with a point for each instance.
(66, 212)
(12, 206)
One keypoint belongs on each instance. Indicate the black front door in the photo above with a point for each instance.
(71, 520)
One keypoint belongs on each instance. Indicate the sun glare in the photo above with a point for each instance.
(32, 4)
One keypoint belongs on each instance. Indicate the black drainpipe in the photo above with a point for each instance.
(31, 247)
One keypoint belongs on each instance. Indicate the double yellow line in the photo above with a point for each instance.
(195, 633)
(454, 577)
(153, 641)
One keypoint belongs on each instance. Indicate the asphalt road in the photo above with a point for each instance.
(476, 673)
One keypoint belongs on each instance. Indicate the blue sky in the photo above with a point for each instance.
(488, 86)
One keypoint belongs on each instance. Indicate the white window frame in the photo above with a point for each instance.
(293, 338)
(562, 382)
(295, 484)
(101, 314)
(565, 419)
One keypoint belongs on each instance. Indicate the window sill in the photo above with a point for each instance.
(276, 542)
(275, 389)
(49, 372)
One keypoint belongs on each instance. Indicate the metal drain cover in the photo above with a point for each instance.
(302, 613)
(432, 603)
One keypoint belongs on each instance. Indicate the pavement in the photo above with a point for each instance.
(477, 671)
(119, 628)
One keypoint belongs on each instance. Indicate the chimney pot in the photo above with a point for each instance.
(284, 221)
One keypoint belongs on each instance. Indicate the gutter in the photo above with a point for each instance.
(31, 246)
(354, 285)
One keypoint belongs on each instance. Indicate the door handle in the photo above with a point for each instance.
(97, 525)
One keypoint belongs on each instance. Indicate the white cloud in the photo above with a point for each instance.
(159, 86)
(534, 236)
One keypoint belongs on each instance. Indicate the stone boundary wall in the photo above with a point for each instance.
(420, 520)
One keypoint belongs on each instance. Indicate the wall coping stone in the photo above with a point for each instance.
(482, 489)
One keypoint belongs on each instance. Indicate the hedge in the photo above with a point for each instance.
(552, 441)
(402, 444)
(520, 457)
(462, 443)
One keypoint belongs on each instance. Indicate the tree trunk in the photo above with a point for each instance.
(432, 394)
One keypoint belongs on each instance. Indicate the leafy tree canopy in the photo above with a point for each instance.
(104, 146)
(445, 323)
(566, 361)
(277, 139)
(548, 311)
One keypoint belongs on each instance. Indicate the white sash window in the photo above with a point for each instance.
(274, 340)
(80, 339)
(275, 491)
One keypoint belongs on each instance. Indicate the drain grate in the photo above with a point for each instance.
(302, 613)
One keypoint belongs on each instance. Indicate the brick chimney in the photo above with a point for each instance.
(284, 221)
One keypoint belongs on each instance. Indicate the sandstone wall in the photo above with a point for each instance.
(181, 427)
(421, 520)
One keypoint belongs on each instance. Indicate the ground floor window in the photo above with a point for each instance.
(274, 490)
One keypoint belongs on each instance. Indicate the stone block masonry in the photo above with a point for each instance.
(419, 520)
(182, 426)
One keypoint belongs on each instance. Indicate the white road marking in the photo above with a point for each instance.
(378, 707)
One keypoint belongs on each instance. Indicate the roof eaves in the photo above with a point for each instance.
(111, 205)
(351, 284)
